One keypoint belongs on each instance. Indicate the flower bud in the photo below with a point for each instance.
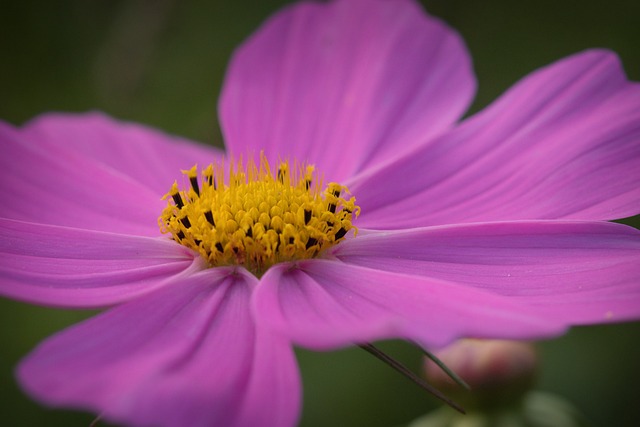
(497, 371)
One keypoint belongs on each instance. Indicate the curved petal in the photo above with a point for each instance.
(345, 84)
(69, 267)
(324, 304)
(55, 185)
(573, 272)
(273, 395)
(564, 143)
(192, 359)
(148, 156)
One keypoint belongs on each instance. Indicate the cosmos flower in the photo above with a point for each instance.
(364, 209)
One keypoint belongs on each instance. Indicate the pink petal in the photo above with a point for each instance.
(273, 395)
(344, 85)
(148, 156)
(572, 272)
(324, 304)
(69, 267)
(55, 185)
(562, 143)
(194, 358)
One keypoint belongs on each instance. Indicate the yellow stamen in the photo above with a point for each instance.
(256, 218)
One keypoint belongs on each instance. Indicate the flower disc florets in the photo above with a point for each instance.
(255, 218)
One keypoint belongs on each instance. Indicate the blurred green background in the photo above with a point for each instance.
(162, 63)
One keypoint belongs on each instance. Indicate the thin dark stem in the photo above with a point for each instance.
(399, 367)
(455, 377)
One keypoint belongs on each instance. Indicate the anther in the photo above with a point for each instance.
(194, 185)
(340, 233)
(177, 199)
(311, 242)
(185, 221)
(193, 179)
(209, 216)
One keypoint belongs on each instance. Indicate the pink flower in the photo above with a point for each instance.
(493, 227)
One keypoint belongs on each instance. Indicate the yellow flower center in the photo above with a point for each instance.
(255, 218)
